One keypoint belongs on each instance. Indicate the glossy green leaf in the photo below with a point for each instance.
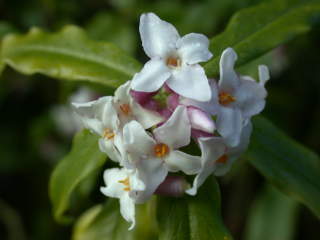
(193, 218)
(285, 163)
(104, 222)
(256, 30)
(275, 210)
(68, 54)
(83, 160)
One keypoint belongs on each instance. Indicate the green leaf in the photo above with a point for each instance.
(193, 218)
(84, 159)
(68, 54)
(285, 163)
(275, 210)
(104, 222)
(256, 30)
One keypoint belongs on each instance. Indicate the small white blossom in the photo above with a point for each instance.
(174, 60)
(128, 109)
(217, 157)
(125, 185)
(101, 117)
(155, 156)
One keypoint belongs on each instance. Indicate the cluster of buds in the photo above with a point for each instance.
(165, 107)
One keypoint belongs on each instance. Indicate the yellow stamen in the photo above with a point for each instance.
(108, 134)
(160, 150)
(173, 62)
(226, 98)
(126, 183)
(125, 108)
(223, 159)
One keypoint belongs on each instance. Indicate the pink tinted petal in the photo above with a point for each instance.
(151, 105)
(166, 113)
(142, 97)
(173, 101)
(200, 120)
(200, 134)
(173, 186)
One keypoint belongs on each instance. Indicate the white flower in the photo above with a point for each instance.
(235, 99)
(217, 157)
(174, 60)
(125, 185)
(128, 109)
(101, 117)
(154, 157)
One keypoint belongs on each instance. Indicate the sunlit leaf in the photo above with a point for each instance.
(84, 159)
(275, 210)
(256, 30)
(285, 163)
(194, 218)
(104, 222)
(68, 54)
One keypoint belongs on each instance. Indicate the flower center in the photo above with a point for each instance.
(173, 62)
(223, 159)
(108, 134)
(226, 98)
(125, 108)
(160, 150)
(126, 183)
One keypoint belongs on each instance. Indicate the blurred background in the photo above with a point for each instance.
(37, 125)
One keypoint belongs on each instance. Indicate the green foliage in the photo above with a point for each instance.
(84, 159)
(68, 54)
(285, 163)
(274, 210)
(257, 30)
(104, 222)
(194, 218)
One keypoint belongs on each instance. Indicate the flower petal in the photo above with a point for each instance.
(250, 97)
(193, 48)
(190, 82)
(152, 76)
(200, 120)
(158, 37)
(137, 142)
(264, 74)
(146, 117)
(111, 179)
(212, 148)
(229, 80)
(176, 131)
(152, 172)
(180, 161)
(108, 147)
(127, 210)
(229, 125)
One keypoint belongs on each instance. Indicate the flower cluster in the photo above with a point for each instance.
(170, 103)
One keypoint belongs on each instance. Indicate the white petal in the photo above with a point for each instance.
(229, 125)
(122, 94)
(229, 80)
(152, 172)
(109, 116)
(107, 146)
(180, 161)
(193, 48)
(250, 97)
(152, 76)
(212, 149)
(200, 120)
(190, 82)
(136, 140)
(158, 37)
(127, 210)
(144, 116)
(199, 180)
(111, 179)
(212, 106)
(176, 131)
(264, 74)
